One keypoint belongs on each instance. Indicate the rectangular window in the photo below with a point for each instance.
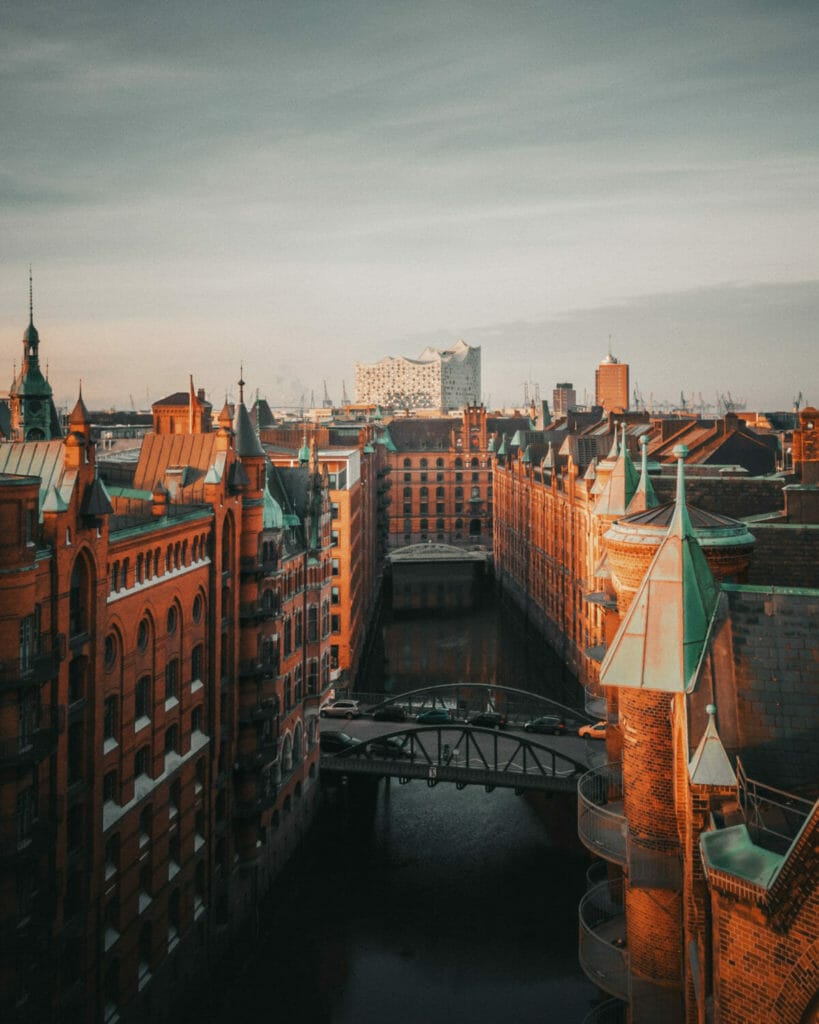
(335, 596)
(312, 624)
(171, 676)
(196, 719)
(336, 567)
(109, 788)
(335, 623)
(171, 740)
(141, 762)
(109, 725)
(142, 705)
(288, 636)
(26, 642)
(197, 662)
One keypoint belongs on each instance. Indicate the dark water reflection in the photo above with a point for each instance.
(417, 905)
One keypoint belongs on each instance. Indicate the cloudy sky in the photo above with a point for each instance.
(300, 185)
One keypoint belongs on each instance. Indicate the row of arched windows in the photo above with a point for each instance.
(155, 562)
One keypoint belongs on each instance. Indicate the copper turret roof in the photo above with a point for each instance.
(662, 635)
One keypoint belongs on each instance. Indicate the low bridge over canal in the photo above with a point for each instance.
(463, 699)
(462, 754)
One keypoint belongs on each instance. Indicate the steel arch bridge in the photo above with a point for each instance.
(462, 754)
(461, 699)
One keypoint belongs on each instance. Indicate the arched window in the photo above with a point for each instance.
(79, 598)
(439, 462)
(423, 463)
(297, 745)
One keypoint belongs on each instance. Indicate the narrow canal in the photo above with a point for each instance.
(418, 905)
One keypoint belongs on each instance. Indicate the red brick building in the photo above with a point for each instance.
(165, 647)
(706, 814)
(441, 475)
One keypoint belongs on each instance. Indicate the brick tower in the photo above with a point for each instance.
(652, 662)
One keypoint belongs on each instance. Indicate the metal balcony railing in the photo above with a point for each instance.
(602, 952)
(36, 746)
(613, 1011)
(601, 824)
(31, 667)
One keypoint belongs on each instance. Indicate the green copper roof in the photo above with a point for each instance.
(663, 634)
(620, 487)
(710, 765)
(517, 440)
(732, 851)
(527, 455)
(385, 439)
(273, 518)
(304, 451)
(503, 450)
(490, 444)
(645, 496)
(368, 449)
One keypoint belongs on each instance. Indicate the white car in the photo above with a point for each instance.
(341, 709)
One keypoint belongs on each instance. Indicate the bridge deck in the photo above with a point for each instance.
(462, 754)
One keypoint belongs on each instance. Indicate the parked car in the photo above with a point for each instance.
(333, 742)
(593, 732)
(386, 747)
(552, 725)
(390, 713)
(433, 716)
(341, 709)
(488, 719)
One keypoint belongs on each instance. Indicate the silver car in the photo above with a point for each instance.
(341, 709)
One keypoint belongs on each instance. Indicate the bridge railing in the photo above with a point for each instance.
(461, 754)
(464, 699)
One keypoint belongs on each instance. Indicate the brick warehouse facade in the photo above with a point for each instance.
(705, 817)
(441, 475)
(166, 645)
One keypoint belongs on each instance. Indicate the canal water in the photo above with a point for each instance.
(418, 905)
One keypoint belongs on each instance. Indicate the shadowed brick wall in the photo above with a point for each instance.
(774, 637)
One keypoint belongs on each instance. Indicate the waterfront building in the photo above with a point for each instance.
(441, 472)
(358, 482)
(441, 379)
(165, 649)
(705, 814)
(611, 385)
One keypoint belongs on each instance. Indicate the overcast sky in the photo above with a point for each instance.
(300, 185)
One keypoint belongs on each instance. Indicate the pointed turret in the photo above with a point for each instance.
(621, 485)
(33, 416)
(304, 452)
(710, 765)
(645, 497)
(80, 419)
(247, 443)
(662, 636)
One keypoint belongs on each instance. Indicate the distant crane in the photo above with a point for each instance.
(327, 402)
(637, 398)
(345, 398)
(797, 402)
(133, 405)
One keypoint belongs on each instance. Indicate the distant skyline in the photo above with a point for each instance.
(299, 186)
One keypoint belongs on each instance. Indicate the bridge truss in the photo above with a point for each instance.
(461, 754)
